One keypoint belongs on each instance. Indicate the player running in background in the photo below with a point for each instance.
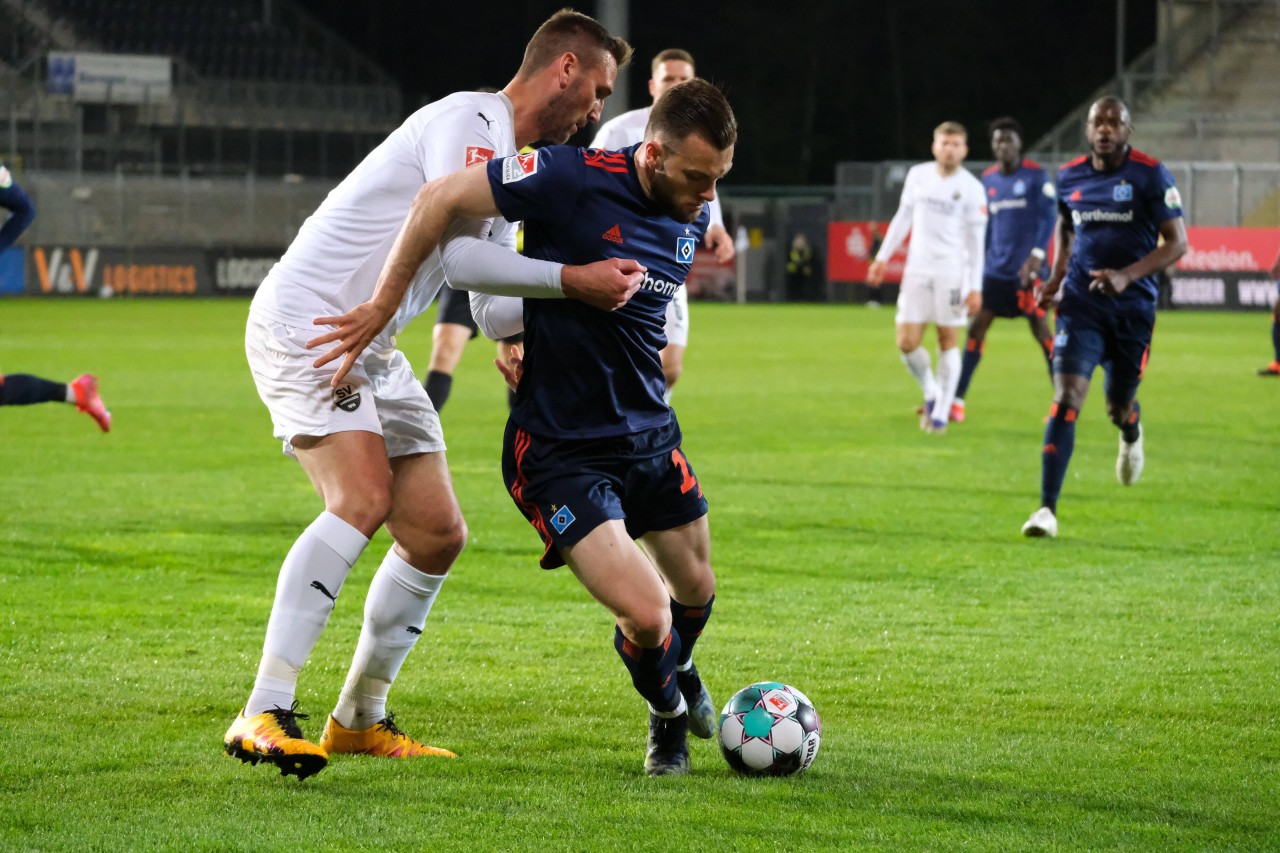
(1021, 214)
(669, 67)
(364, 431)
(1273, 369)
(1114, 206)
(943, 209)
(23, 389)
(592, 452)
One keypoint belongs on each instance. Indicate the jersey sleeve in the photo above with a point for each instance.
(1047, 207)
(1163, 201)
(610, 136)
(900, 226)
(976, 219)
(542, 185)
(455, 139)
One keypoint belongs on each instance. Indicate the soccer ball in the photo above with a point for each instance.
(769, 729)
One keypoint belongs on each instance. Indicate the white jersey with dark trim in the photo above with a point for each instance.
(946, 217)
(334, 262)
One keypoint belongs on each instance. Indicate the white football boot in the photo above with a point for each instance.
(1129, 462)
(1041, 524)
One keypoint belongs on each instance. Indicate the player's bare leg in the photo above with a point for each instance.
(683, 557)
(672, 365)
(429, 533)
(619, 575)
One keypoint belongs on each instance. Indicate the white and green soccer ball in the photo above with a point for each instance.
(769, 729)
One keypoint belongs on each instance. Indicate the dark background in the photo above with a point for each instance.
(812, 83)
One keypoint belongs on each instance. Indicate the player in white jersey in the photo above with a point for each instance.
(669, 67)
(363, 428)
(944, 210)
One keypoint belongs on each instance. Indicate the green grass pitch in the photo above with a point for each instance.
(1113, 689)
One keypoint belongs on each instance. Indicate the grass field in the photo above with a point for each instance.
(1113, 689)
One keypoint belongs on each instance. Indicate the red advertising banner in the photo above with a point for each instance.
(1231, 250)
(851, 246)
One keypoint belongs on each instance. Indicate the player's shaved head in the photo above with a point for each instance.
(693, 107)
(1110, 102)
(569, 31)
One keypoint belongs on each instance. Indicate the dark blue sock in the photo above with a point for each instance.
(438, 384)
(1275, 338)
(1129, 429)
(653, 671)
(1059, 442)
(968, 364)
(688, 622)
(23, 389)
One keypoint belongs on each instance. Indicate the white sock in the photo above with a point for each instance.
(395, 612)
(682, 708)
(310, 580)
(948, 380)
(917, 361)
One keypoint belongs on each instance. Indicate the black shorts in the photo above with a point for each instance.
(1006, 298)
(454, 306)
(1116, 335)
(568, 488)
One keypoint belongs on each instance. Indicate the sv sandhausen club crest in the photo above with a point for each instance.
(347, 398)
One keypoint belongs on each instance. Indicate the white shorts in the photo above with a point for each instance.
(677, 327)
(937, 299)
(380, 395)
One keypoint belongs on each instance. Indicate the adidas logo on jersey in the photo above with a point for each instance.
(613, 235)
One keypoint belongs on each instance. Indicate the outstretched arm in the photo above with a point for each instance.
(1174, 246)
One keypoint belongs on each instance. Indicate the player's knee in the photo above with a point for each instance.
(365, 508)
(699, 588)
(431, 541)
(647, 627)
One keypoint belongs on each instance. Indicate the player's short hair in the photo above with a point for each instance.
(1005, 123)
(671, 54)
(694, 106)
(951, 128)
(569, 31)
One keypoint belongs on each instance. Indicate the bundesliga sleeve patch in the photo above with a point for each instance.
(519, 167)
(1172, 199)
(476, 154)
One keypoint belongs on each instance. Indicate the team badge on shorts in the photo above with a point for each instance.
(562, 519)
(684, 249)
(346, 398)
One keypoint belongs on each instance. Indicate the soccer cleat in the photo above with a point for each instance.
(85, 387)
(383, 739)
(937, 426)
(668, 752)
(702, 713)
(274, 737)
(1272, 369)
(1129, 462)
(924, 412)
(956, 415)
(1041, 524)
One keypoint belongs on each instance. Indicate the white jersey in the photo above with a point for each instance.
(947, 220)
(334, 262)
(628, 129)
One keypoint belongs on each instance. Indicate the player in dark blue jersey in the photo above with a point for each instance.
(23, 389)
(592, 454)
(1020, 210)
(1119, 224)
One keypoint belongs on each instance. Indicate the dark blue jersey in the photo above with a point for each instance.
(21, 210)
(1021, 210)
(1116, 216)
(590, 373)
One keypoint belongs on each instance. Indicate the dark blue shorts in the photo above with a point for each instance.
(1006, 298)
(1116, 335)
(568, 488)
